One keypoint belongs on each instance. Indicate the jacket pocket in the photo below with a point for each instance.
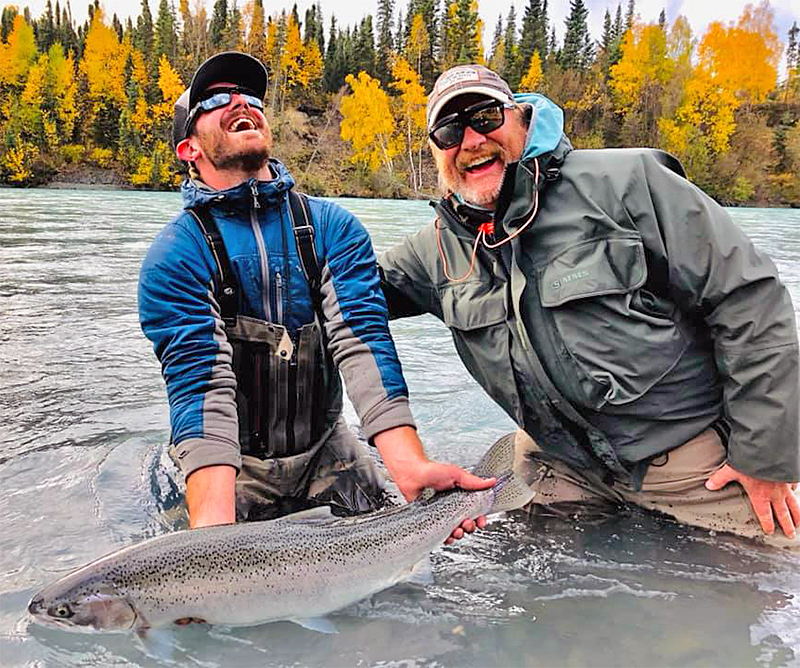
(475, 313)
(620, 338)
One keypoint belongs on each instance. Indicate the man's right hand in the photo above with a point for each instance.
(211, 496)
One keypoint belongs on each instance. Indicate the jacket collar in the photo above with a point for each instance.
(196, 193)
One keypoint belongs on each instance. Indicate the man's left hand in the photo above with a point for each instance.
(412, 471)
(769, 499)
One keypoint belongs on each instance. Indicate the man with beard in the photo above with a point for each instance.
(646, 349)
(255, 298)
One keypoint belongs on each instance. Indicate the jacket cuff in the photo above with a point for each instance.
(388, 415)
(197, 453)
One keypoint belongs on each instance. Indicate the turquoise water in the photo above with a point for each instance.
(83, 423)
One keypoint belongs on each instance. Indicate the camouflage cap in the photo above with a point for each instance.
(463, 79)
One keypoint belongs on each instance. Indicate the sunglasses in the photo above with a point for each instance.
(484, 117)
(214, 98)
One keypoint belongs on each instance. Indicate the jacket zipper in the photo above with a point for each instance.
(262, 250)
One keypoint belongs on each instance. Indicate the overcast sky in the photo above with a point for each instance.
(699, 12)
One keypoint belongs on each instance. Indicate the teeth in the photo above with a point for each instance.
(242, 124)
(479, 161)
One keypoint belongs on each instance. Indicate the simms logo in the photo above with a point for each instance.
(568, 278)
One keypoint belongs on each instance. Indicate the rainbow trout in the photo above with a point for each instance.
(298, 568)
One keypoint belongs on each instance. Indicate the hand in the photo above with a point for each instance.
(211, 496)
(769, 499)
(412, 472)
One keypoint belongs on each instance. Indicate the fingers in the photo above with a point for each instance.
(468, 481)
(719, 479)
(763, 510)
(794, 508)
(785, 521)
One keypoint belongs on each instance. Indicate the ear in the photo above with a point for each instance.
(188, 149)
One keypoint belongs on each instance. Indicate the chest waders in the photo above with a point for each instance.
(282, 384)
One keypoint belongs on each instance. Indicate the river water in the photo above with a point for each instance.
(84, 422)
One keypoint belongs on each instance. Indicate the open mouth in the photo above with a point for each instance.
(241, 124)
(481, 165)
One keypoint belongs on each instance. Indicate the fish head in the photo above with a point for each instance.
(83, 608)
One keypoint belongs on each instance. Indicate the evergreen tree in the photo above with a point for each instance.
(497, 58)
(383, 62)
(165, 38)
(512, 71)
(533, 35)
(117, 26)
(630, 15)
(219, 24)
(232, 37)
(364, 53)
(400, 34)
(45, 29)
(332, 76)
(576, 37)
(662, 20)
(143, 34)
(793, 47)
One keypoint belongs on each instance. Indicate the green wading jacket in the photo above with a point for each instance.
(628, 317)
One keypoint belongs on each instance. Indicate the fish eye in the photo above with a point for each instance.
(62, 611)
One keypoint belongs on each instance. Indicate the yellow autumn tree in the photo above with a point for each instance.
(313, 64)
(742, 58)
(411, 122)
(418, 44)
(533, 77)
(368, 124)
(291, 62)
(103, 65)
(18, 53)
(62, 92)
(644, 62)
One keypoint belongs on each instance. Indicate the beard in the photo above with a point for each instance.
(248, 159)
(452, 175)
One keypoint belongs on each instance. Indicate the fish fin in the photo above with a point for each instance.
(421, 573)
(498, 459)
(318, 514)
(425, 495)
(319, 624)
(511, 491)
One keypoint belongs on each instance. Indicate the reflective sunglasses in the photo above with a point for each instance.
(484, 117)
(214, 98)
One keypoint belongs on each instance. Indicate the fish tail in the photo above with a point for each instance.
(511, 491)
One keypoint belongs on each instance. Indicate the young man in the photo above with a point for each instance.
(646, 349)
(255, 299)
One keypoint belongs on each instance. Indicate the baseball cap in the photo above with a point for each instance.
(463, 79)
(233, 67)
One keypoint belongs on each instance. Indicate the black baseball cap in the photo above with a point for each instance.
(234, 67)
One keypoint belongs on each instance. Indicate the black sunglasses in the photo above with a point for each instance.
(484, 117)
(214, 98)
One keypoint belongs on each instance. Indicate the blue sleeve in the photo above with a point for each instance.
(179, 315)
(357, 322)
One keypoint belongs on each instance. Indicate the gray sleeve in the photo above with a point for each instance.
(715, 272)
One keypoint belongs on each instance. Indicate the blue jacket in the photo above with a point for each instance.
(179, 314)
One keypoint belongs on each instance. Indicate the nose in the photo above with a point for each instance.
(472, 139)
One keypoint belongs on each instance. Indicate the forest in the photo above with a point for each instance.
(92, 102)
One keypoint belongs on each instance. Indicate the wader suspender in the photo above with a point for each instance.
(226, 292)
